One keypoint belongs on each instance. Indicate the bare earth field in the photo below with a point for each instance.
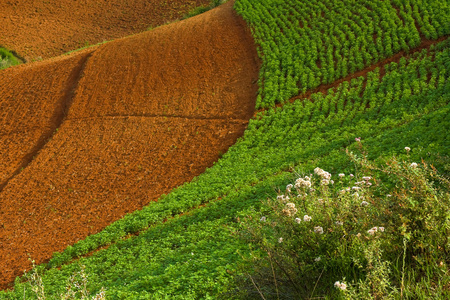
(90, 137)
(39, 29)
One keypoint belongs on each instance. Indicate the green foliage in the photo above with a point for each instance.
(307, 43)
(408, 106)
(196, 255)
(306, 131)
(342, 235)
(7, 59)
(202, 9)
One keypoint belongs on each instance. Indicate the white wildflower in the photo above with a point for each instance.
(381, 229)
(332, 181)
(290, 210)
(298, 220)
(318, 230)
(317, 259)
(388, 195)
(280, 240)
(355, 188)
(263, 219)
(306, 218)
(367, 178)
(407, 149)
(413, 165)
(351, 175)
(300, 182)
(325, 182)
(364, 203)
(288, 188)
(372, 231)
(322, 173)
(340, 285)
(341, 175)
(283, 198)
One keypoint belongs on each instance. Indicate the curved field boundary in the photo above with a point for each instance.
(159, 216)
(47, 28)
(158, 258)
(129, 121)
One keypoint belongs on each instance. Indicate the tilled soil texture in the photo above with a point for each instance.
(145, 114)
(38, 29)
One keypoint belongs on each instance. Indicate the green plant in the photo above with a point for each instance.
(342, 235)
(202, 9)
(7, 59)
(76, 287)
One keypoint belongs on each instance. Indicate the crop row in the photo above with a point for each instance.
(306, 43)
(194, 256)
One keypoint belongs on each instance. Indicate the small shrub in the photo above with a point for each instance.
(382, 233)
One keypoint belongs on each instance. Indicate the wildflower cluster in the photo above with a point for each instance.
(324, 175)
(290, 210)
(340, 285)
(373, 230)
(323, 225)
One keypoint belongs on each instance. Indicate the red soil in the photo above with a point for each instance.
(104, 132)
(45, 28)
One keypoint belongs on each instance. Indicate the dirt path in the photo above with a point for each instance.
(128, 122)
(39, 29)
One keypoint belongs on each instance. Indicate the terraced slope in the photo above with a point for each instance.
(128, 122)
(41, 29)
(194, 254)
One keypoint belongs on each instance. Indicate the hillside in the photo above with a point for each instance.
(369, 77)
(38, 30)
(104, 132)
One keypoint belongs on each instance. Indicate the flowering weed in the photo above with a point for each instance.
(382, 233)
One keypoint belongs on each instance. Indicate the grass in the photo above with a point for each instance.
(207, 240)
(7, 59)
(199, 10)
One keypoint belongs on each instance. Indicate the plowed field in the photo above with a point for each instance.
(93, 136)
(38, 29)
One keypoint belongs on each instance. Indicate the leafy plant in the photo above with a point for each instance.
(342, 235)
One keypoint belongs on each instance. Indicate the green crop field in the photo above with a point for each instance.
(190, 243)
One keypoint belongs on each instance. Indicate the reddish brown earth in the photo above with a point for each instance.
(101, 133)
(38, 29)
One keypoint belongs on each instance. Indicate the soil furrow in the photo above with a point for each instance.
(186, 117)
(56, 120)
(137, 118)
